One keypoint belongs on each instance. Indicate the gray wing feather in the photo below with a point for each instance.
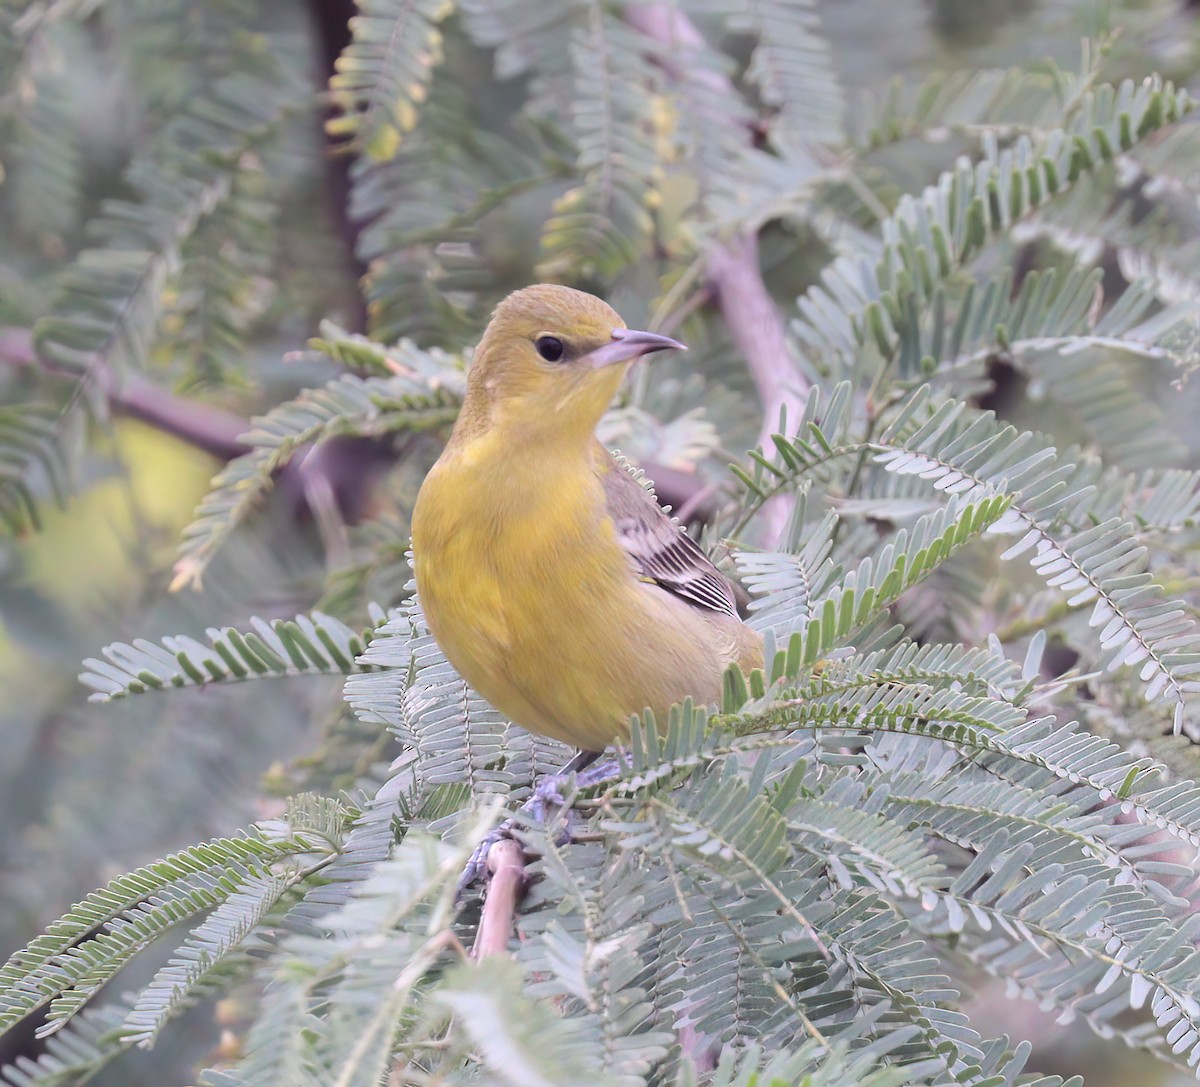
(661, 551)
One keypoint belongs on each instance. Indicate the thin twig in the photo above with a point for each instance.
(506, 862)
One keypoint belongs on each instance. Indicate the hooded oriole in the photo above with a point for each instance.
(552, 580)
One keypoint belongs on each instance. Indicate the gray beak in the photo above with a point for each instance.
(629, 343)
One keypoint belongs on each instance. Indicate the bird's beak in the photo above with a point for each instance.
(628, 344)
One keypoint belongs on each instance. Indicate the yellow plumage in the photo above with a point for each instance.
(554, 584)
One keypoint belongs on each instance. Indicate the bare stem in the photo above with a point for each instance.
(758, 330)
(506, 862)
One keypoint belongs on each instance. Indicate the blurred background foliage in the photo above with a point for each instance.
(191, 193)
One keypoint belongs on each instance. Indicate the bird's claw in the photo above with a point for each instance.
(543, 805)
(476, 866)
(598, 773)
(548, 800)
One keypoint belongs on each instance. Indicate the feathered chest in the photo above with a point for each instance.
(531, 539)
(566, 597)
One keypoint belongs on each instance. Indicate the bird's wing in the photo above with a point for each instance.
(661, 551)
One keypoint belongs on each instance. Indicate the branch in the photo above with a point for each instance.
(207, 428)
(506, 862)
(332, 482)
(667, 24)
(692, 501)
(734, 273)
(330, 21)
(758, 331)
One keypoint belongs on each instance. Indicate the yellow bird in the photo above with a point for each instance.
(552, 580)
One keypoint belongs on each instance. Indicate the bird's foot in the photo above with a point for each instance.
(553, 793)
(476, 866)
(546, 802)
(547, 798)
(598, 773)
(550, 798)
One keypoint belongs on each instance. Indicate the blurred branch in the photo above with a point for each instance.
(667, 24)
(331, 26)
(332, 481)
(758, 331)
(734, 272)
(213, 430)
(692, 501)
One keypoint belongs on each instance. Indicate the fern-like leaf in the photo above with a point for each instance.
(928, 237)
(969, 454)
(112, 297)
(81, 951)
(382, 77)
(29, 444)
(791, 66)
(320, 645)
(347, 405)
(1002, 101)
(1098, 564)
(601, 224)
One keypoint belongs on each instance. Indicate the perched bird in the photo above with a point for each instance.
(552, 580)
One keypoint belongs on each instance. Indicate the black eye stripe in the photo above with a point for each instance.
(550, 348)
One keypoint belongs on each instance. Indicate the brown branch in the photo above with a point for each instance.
(332, 482)
(331, 21)
(734, 273)
(210, 429)
(506, 862)
(758, 331)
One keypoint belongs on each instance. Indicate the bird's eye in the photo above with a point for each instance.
(549, 347)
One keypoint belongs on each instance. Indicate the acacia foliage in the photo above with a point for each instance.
(803, 881)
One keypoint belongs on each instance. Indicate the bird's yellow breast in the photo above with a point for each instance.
(529, 593)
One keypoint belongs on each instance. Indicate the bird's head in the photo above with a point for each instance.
(553, 357)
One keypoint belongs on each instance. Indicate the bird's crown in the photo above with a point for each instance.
(551, 309)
